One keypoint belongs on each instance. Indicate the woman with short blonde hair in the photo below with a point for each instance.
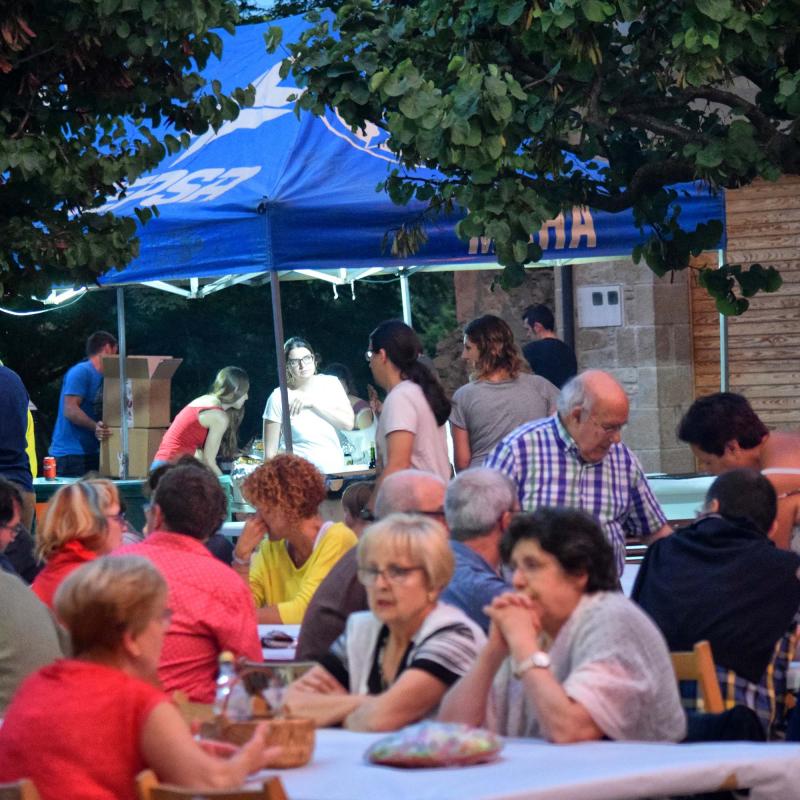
(84, 520)
(394, 663)
(108, 693)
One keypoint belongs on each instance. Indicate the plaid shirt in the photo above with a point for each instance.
(767, 697)
(544, 462)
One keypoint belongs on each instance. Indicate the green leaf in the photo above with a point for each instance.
(510, 11)
(593, 10)
(273, 37)
(718, 10)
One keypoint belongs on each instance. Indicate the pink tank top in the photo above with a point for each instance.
(185, 435)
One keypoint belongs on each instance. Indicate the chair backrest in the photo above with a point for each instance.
(19, 790)
(698, 665)
(149, 788)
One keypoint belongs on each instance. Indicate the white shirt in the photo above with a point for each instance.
(313, 438)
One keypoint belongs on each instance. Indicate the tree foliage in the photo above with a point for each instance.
(83, 85)
(506, 97)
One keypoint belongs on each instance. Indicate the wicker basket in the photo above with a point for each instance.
(295, 735)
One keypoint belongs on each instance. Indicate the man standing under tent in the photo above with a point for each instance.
(75, 443)
(547, 354)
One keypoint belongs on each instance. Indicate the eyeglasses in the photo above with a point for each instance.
(304, 361)
(16, 530)
(368, 355)
(120, 517)
(393, 574)
(608, 429)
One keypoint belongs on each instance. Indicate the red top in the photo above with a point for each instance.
(185, 435)
(74, 729)
(64, 561)
(212, 611)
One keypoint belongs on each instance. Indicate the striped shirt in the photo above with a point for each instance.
(544, 462)
(445, 646)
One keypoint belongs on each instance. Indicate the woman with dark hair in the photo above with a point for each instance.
(318, 407)
(209, 423)
(411, 425)
(500, 396)
(569, 657)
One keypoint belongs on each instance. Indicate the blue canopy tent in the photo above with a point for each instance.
(271, 193)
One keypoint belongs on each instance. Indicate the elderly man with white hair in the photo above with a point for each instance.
(577, 459)
(478, 507)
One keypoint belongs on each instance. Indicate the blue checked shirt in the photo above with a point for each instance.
(543, 461)
(767, 697)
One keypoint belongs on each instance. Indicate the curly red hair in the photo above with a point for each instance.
(287, 482)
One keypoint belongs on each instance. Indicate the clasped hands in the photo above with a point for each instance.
(515, 623)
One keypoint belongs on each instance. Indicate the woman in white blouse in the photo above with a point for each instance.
(318, 407)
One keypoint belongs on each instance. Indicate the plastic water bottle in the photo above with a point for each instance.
(231, 689)
(347, 449)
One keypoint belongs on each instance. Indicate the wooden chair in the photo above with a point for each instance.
(698, 665)
(149, 788)
(19, 790)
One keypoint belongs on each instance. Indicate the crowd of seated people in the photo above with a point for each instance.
(491, 598)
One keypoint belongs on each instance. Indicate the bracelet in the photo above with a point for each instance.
(242, 562)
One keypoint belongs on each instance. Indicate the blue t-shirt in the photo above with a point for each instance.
(84, 381)
(474, 584)
(14, 463)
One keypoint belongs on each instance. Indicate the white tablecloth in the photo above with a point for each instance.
(534, 770)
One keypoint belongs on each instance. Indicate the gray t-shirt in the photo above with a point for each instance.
(489, 411)
(609, 657)
(29, 635)
(406, 409)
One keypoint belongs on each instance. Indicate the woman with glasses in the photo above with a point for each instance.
(411, 431)
(394, 663)
(85, 726)
(318, 407)
(84, 520)
(209, 424)
(500, 395)
(569, 657)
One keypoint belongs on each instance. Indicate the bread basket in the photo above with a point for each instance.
(296, 735)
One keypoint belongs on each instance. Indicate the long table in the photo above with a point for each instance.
(536, 770)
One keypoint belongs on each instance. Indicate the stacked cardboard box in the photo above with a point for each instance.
(148, 381)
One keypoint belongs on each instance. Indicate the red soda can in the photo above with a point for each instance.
(49, 468)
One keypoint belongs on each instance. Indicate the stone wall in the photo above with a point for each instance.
(474, 297)
(650, 354)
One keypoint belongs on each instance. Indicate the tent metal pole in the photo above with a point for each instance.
(567, 305)
(277, 323)
(724, 374)
(123, 384)
(405, 297)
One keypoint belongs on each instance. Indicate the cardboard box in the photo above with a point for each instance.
(148, 380)
(142, 446)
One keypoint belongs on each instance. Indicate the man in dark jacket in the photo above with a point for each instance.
(722, 579)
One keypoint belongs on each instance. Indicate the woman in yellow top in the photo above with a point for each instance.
(286, 549)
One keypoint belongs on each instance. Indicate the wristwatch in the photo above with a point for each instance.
(537, 660)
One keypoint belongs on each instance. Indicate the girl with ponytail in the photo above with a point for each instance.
(411, 430)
